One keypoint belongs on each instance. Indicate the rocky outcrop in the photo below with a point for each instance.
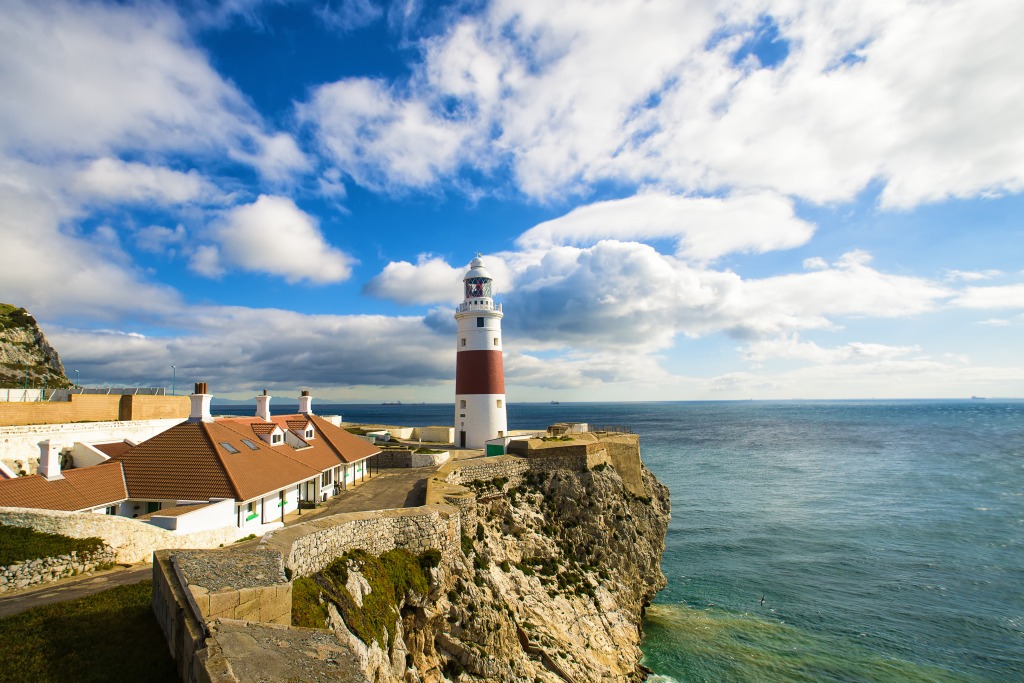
(550, 584)
(23, 344)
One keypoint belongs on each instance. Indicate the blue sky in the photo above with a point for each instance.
(678, 199)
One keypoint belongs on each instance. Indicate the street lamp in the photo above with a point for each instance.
(77, 385)
(174, 376)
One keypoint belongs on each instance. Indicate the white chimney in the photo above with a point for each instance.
(49, 460)
(306, 403)
(200, 404)
(263, 406)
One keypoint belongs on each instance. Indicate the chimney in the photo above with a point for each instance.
(200, 404)
(306, 403)
(263, 406)
(49, 460)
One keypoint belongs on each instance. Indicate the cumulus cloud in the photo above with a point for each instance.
(1008, 296)
(108, 179)
(705, 228)
(53, 273)
(791, 347)
(919, 96)
(379, 139)
(430, 280)
(273, 235)
(158, 239)
(94, 79)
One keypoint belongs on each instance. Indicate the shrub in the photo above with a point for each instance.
(467, 545)
(430, 559)
(308, 609)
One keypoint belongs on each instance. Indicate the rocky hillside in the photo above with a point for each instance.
(23, 343)
(550, 585)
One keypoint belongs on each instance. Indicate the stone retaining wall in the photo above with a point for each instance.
(394, 458)
(132, 540)
(308, 548)
(47, 569)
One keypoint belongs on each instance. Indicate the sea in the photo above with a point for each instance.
(822, 540)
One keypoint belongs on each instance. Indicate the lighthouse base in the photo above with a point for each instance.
(479, 417)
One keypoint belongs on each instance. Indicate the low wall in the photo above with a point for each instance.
(95, 408)
(132, 540)
(20, 443)
(407, 458)
(434, 434)
(47, 569)
(183, 627)
(307, 548)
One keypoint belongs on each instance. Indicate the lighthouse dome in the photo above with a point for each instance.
(476, 269)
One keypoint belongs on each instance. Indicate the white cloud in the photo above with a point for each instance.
(380, 140)
(108, 179)
(96, 79)
(158, 239)
(54, 273)
(972, 275)
(790, 347)
(430, 280)
(205, 261)
(704, 227)
(1008, 296)
(921, 96)
(272, 235)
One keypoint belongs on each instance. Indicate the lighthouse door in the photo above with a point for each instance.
(462, 439)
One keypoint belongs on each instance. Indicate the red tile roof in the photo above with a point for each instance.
(112, 449)
(189, 462)
(80, 489)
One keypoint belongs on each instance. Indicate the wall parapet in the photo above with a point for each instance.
(309, 547)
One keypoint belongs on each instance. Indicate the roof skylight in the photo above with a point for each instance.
(228, 447)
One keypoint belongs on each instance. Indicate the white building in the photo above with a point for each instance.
(479, 369)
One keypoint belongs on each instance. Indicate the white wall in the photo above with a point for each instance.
(212, 516)
(22, 442)
(435, 434)
(86, 455)
(484, 419)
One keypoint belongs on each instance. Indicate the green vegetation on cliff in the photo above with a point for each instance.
(391, 578)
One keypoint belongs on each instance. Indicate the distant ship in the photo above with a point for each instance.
(554, 403)
(977, 398)
(391, 403)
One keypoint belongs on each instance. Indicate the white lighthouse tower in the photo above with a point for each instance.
(479, 370)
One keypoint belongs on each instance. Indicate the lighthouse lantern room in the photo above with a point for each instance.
(479, 370)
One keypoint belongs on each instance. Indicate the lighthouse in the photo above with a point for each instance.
(479, 371)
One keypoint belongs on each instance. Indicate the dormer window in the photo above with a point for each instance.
(276, 437)
(309, 433)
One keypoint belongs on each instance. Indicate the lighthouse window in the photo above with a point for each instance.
(462, 403)
(479, 322)
(499, 402)
(463, 341)
(495, 341)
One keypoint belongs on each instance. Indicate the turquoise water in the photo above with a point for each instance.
(887, 537)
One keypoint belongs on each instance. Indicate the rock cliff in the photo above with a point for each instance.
(23, 344)
(554, 572)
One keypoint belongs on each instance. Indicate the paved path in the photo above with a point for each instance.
(398, 487)
(69, 589)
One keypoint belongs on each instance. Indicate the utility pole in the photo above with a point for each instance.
(174, 376)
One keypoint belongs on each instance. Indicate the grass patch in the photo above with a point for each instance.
(109, 636)
(308, 610)
(18, 544)
(390, 576)
(428, 451)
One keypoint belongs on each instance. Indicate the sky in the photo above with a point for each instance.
(679, 199)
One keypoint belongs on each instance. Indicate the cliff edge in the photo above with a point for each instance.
(23, 344)
(556, 566)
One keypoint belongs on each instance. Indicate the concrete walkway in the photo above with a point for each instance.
(12, 602)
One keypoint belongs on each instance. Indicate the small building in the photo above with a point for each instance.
(266, 466)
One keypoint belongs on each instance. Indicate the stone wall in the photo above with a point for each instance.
(183, 627)
(394, 458)
(307, 548)
(95, 408)
(47, 569)
(132, 540)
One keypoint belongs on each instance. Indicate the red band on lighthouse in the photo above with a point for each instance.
(479, 372)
